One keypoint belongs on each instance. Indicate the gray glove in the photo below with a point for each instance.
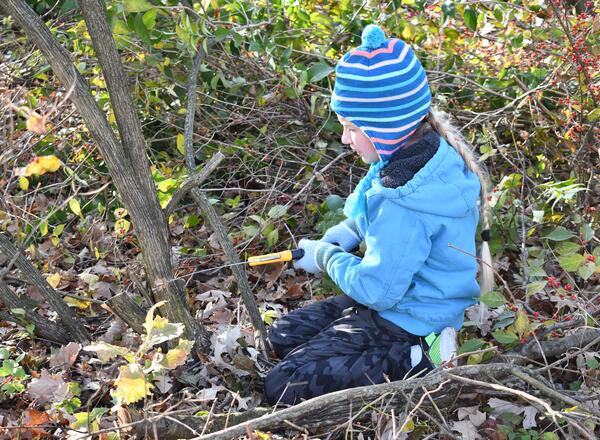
(344, 234)
(316, 255)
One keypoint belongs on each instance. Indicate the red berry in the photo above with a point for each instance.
(591, 258)
(573, 297)
(568, 287)
(536, 315)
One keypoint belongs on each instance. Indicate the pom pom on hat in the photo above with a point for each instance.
(372, 36)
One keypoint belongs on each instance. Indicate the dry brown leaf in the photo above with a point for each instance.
(66, 356)
(34, 420)
(44, 388)
(36, 123)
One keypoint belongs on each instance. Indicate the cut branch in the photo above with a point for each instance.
(43, 327)
(129, 311)
(194, 181)
(75, 329)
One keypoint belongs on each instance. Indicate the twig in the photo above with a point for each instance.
(552, 392)
(202, 200)
(194, 181)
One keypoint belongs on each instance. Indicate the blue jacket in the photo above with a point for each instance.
(410, 274)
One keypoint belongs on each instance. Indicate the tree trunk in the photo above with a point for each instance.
(126, 160)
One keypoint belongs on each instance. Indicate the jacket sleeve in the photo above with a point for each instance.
(397, 245)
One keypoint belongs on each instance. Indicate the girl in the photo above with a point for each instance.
(415, 207)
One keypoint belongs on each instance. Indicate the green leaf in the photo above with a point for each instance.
(505, 337)
(137, 5)
(571, 263)
(272, 237)
(592, 363)
(221, 34)
(568, 248)
(333, 202)
(449, 8)
(586, 270)
(559, 234)
(587, 232)
(471, 345)
(493, 299)
(470, 17)
(451, 34)
(277, 211)
(535, 287)
(318, 71)
(594, 115)
(149, 19)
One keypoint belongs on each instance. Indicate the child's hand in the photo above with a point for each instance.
(316, 255)
(343, 234)
(308, 262)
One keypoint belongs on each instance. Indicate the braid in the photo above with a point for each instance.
(442, 125)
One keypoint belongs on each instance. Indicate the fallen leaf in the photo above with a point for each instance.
(54, 280)
(209, 393)
(34, 420)
(132, 384)
(467, 430)
(44, 388)
(66, 356)
(472, 412)
(106, 351)
(36, 123)
(163, 383)
(529, 412)
(177, 356)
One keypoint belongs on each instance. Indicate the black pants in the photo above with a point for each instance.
(337, 344)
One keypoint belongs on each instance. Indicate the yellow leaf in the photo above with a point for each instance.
(263, 435)
(522, 326)
(407, 33)
(106, 352)
(75, 206)
(24, 183)
(181, 143)
(36, 123)
(50, 163)
(43, 228)
(54, 280)
(132, 385)
(177, 356)
(34, 169)
(408, 426)
(122, 227)
(42, 165)
(77, 303)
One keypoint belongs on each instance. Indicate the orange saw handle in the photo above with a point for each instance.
(278, 257)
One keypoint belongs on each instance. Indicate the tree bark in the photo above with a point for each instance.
(126, 160)
(44, 328)
(74, 328)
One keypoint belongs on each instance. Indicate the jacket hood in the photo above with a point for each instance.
(443, 186)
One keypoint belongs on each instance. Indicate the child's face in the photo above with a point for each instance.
(358, 141)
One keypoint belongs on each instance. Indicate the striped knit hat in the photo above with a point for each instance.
(382, 88)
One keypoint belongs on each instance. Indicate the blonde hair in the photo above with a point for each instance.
(442, 125)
